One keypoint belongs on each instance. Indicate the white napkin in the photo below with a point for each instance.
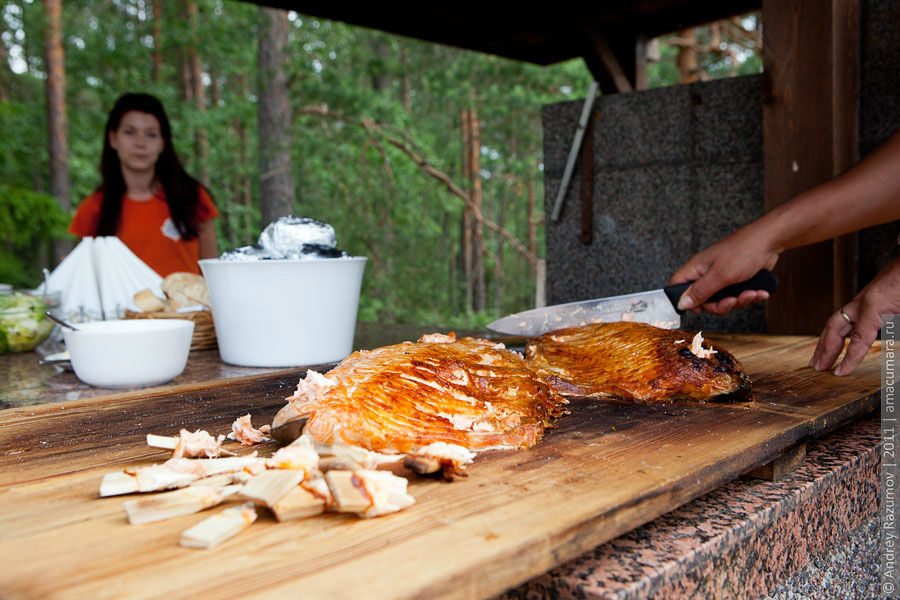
(99, 278)
(76, 279)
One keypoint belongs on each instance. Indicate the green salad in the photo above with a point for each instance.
(23, 324)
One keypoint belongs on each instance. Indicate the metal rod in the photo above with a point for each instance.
(573, 152)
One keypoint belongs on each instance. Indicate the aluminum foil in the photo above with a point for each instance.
(291, 238)
(245, 254)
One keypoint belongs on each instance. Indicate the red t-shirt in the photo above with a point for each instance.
(146, 228)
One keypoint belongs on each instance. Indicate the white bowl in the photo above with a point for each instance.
(130, 353)
(284, 313)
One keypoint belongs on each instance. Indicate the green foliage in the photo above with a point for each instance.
(379, 90)
(29, 222)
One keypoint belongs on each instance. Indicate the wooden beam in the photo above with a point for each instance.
(809, 125)
(612, 62)
(641, 76)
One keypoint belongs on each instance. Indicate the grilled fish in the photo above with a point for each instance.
(636, 361)
(469, 392)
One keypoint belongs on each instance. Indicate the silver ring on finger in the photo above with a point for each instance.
(847, 318)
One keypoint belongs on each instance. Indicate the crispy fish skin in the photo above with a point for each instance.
(469, 392)
(635, 361)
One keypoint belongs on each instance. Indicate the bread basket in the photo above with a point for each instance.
(204, 329)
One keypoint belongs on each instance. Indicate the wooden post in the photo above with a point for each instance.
(846, 82)
(809, 136)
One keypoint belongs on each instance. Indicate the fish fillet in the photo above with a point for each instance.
(469, 392)
(636, 361)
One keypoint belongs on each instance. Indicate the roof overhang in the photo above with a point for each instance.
(540, 36)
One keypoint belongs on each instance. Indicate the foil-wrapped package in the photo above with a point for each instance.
(291, 238)
(245, 253)
(317, 251)
(288, 234)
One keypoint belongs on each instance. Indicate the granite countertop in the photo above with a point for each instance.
(813, 534)
(24, 382)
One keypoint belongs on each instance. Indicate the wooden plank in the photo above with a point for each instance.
(607, 467)
(809, 132)
(104, 428)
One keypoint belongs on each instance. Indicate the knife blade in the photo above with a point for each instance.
(657, 307)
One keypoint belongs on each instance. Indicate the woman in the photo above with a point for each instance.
(146, 198)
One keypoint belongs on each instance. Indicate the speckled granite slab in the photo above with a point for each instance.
(740, 540)
(675, 169)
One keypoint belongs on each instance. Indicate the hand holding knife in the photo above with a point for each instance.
(657, 307)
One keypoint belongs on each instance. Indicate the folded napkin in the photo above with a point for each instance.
(99, 278)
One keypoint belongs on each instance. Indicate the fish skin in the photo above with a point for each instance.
(469, 392)
(635, 361)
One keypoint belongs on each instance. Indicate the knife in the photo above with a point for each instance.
(656, 307)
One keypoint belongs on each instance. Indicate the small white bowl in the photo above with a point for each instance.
(129, 353)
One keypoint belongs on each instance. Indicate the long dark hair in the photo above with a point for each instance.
(182, 190)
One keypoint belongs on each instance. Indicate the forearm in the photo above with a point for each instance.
(866, 195)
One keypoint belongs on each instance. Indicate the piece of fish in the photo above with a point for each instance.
(242, 431)
(469, 392)
(636, 361)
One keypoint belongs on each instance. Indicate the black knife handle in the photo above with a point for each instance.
(763, 280)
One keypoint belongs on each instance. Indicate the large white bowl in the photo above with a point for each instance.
(284, 313)
(130, 353)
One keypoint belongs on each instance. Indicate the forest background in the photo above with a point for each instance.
(425, 158)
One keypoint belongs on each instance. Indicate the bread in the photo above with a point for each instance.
(186, 289)
(147, 301)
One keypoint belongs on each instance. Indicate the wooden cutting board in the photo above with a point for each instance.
(608, 467)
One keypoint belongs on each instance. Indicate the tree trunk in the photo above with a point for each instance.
(499, 275)
(215, 96)
(249, 231)
(243, 197)
(5, 71)
(193, 81)
(56, 113)
(478, 247)
(465, 238)
(156, 33)
(540, 268)
(407, 83)
(687, 56)
(276, 181)
(381, 79)
(452, 263)
(532, 220)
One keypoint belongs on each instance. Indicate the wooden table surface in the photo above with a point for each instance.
(608, 467)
